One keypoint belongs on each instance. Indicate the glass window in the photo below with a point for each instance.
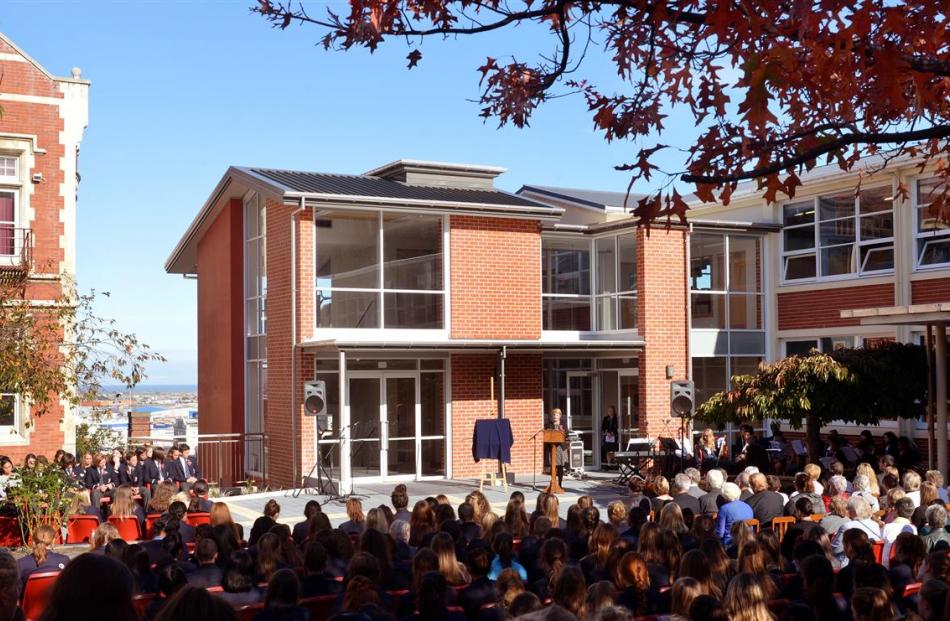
(933, 224)
(707, 262)
(627, 262)
(565, 266)
(708, 310)
(8, 166)
(846, 228)
(379, 270)
(347, 250)
(709, 376)
(8, 410)
(412, 246)
(744, 269)
(800, 348)
(7, 223)
(606, 265)
(566, 313)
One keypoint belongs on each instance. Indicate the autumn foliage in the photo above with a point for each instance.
(776, 87)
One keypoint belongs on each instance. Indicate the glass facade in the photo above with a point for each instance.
(255, 323)
(379, 270)
(932, 224)
(589, 284)
(727, 336)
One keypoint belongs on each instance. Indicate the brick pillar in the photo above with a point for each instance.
(663, 322)
(140, 425)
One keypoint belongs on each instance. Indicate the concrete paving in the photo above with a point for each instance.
(600, 486)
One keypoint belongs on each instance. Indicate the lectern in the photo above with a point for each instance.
(553, 438)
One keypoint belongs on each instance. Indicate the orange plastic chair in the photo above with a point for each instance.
(10, 535)
(781, 525)
(753, 524)
(320, 607)
(36, 593)
(79, 528)
(816, 517)
(196, 519)
(128, 527)
(878, 551)
(141, 602)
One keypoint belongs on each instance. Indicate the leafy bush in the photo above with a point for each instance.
(42, 495)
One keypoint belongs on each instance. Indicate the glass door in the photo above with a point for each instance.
(580, 414)
(629, 410)
(366, 427)
(400, 426)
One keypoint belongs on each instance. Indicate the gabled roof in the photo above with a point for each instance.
(40, 67)
(296, 183)
(597, 199)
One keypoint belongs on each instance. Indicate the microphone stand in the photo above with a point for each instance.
(534, 469)
(352, 493)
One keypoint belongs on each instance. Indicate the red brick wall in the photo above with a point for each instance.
(930, 291)
(472, 399)
(496, 278)
(822, 308)
(42, 120)
(284, 421)
(221, 323)
(663, 323)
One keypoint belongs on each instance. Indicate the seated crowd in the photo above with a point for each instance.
(864, 545)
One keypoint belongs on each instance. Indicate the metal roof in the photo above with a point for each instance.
(592, 198)
(293, 181)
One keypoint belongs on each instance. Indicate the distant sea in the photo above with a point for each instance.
(150, 388)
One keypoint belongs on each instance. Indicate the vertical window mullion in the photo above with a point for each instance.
(592, 262)
(380, 253)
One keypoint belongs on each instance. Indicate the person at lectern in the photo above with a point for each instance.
(556, 421)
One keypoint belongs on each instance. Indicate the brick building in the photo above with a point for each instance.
(413, 289)
(41, 127)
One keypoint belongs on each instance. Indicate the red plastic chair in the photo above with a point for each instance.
(79, 528)
(141, 602)
(36, 593)
(320, 607)
(10, 535)
(196, 519)
(149, 521)
(912, 589)
(246, 613)
(878, 551)
(128, 527)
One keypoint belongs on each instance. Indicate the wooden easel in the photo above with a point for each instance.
(492, 477)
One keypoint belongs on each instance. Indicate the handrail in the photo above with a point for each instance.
(16, 248)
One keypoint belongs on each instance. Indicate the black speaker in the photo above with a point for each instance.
(315, 397)
(682, 398)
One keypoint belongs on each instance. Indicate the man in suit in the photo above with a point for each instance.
(200, 491)
(98, 480)
(681, 496)
(765, 503)
(174, 469)
(208, 574)
(710, 501)
(132, 473)
(154, 467)
(695, 477)
(188, 463)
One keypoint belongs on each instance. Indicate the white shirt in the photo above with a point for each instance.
(915, 496)
(184, 466)
(869, 497)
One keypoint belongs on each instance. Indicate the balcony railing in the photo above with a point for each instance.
(16, 248)
(225, 459)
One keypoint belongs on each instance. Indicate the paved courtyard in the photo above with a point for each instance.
(600, 486)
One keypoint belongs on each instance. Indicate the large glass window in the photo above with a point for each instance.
(582, 295)
(726, 308)
(255, 325)
(933, 224)
(7, 223)
(839, 235)
(8, 409)
(379, 270)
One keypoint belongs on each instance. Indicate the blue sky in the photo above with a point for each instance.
(181, 90)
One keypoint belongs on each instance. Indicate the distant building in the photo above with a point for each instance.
(41, 128)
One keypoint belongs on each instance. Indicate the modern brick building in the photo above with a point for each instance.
(411, 290)
(41, 128)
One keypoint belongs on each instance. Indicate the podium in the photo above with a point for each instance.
(553, 438)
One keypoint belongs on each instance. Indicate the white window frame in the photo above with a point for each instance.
(17, 412)
(255, 404)
(17, 241)
(380, 290)
(816, 249)
(593, 297)
(15, 177)
(925, 236)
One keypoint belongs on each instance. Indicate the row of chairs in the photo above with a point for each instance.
(80, 527)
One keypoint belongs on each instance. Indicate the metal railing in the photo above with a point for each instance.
(225, 459)
(16, 248)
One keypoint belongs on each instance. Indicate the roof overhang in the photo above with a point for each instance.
(477, 345)
(910, 315)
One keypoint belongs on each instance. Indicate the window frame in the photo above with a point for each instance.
(380, 291)
(17, 412)
(15, 177)
(593, 298)
(857, 216)
(920, 235)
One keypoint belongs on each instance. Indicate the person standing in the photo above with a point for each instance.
(557, 422)
(610, 434)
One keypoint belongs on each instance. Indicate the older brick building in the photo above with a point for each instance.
(40, 131)
(414, 289)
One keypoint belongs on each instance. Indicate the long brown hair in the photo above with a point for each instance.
(746, 600)
(632, 573)
(162, 496)
(600, 541)
(122, 504)
(695, 565)
(516, 519)
(43, 538)
(354, 510)
(444, 547)
(570, 592)
(421, 522)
